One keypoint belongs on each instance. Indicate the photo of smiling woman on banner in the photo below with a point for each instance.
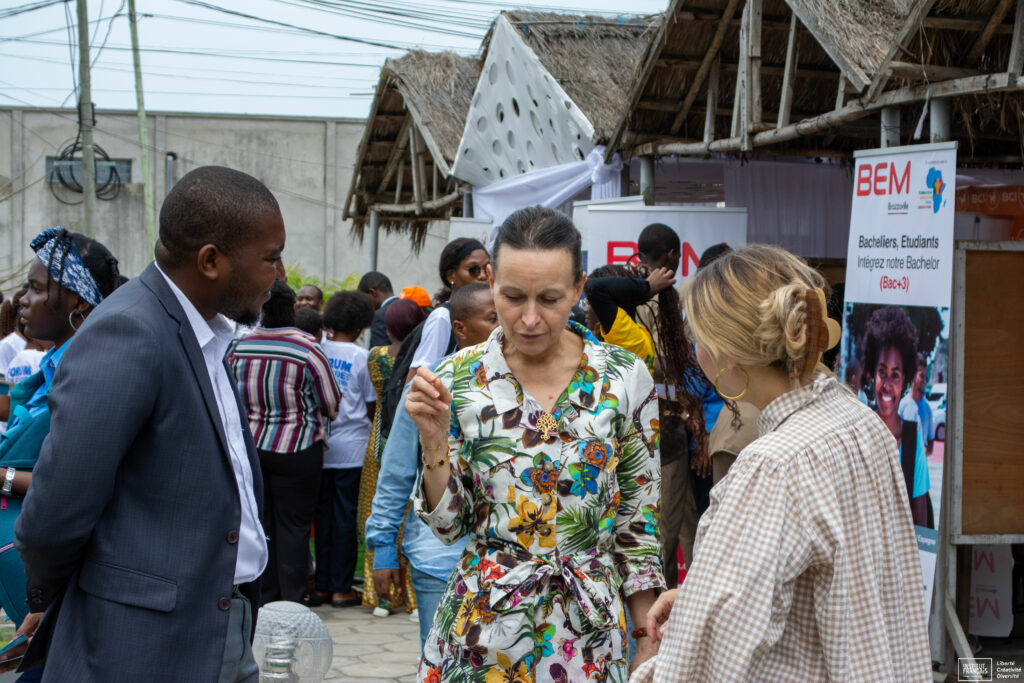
(900, 349)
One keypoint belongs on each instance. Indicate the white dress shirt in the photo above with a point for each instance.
(214, 336)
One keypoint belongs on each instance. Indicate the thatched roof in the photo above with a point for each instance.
(594, 59)
(881, 47)
(427, 92)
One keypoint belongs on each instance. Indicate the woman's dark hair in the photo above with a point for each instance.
(348, 312)
(279, 311)
(891, 326)
(97, 259)
(310, 321)
(8, 318)
(402, 317)
(539, 229)
(451, 256)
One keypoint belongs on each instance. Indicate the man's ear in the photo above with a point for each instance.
(490, 275)
(210, 261)
(459, 329)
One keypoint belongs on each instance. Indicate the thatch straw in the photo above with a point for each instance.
(438, 87)
(860, 31)
(594, 59)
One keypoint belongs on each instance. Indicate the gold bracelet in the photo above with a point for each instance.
(442, 461)
(429, 447)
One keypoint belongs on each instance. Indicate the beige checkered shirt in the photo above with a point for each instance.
(806, 565)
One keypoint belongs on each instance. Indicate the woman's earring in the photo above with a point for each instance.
(746, 385)
(71, 321)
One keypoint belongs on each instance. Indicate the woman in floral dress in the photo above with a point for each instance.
(542, 444)
(402, 317)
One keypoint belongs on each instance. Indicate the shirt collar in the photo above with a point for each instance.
(217, 332)
(507, 394)
(50, 359)
(783, 407)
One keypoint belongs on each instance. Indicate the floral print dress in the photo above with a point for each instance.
(563, 523)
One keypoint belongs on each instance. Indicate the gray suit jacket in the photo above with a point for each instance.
(129, 530)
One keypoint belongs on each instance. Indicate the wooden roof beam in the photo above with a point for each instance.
(397, 152)
(1016, 61)
(916, 15)
(1001, 8)
(705, 65)
(766, 69)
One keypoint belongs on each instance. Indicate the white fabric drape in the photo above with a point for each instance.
(548, 187)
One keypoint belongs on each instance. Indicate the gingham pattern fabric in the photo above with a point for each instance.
(805, 565)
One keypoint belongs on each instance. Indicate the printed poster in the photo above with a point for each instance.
(899, 272)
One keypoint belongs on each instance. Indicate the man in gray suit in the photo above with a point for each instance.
(141, 533)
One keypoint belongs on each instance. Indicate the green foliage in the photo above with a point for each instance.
(297, 277)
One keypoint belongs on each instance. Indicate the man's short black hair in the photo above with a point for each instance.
(712, 253)
(310, 321)
(375, 280)
(656, 240)
(279, 311)
(319, 291)
(348, 312)
(462, 305)
(212, 205)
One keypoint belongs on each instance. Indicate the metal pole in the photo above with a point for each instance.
(891, 127)
(374, 237)
(147, 184)
(85, 117)
(169, 172)
(467, 203)
(647, 179)
(939, 117)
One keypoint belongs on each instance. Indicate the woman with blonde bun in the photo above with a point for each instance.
(805, 565)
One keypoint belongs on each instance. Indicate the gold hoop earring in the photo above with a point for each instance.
(746, 385)
(71, 321)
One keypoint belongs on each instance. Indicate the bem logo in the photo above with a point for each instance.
(976, 669)
(623, 252)
(882, 179)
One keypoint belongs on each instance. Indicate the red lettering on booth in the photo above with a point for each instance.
(880, 178)
(863, 180)
(895, 186)
(689, 256)
(620, 252)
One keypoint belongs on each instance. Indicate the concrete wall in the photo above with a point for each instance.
(306, 162)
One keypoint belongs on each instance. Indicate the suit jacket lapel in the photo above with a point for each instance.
(153, 279)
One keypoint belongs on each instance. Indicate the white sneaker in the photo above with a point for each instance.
(414, 616)
(381, 612)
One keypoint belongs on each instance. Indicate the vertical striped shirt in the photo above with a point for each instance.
(289, 391)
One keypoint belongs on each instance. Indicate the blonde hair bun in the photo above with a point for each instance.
(759, 305)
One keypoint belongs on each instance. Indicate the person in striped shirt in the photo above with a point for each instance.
(290, 396)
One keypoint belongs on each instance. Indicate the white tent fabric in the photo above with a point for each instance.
(549, 187)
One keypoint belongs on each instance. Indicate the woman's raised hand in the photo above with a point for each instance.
(659, 279)
(429, 405)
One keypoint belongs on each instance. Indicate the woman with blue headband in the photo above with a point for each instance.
(69, 277)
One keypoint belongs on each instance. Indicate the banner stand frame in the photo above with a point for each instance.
(953, 567)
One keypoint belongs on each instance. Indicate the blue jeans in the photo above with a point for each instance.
(429, 590)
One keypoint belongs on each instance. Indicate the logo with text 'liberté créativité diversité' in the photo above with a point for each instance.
(974, 669)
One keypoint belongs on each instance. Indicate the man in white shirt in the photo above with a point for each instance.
(141, 534)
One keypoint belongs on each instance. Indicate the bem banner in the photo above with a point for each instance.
(899, 277)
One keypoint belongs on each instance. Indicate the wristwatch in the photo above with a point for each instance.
(8, 486)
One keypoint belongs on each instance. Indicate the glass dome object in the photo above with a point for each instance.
(292, 644)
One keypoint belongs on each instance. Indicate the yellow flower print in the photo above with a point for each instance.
(506, 672)
(533, 522)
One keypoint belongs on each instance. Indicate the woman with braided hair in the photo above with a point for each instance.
(69, 277)
(806, 563)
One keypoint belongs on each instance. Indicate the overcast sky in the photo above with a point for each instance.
(204, 55)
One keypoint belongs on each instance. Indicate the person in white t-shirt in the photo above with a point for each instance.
(23, 365)
(346, 315)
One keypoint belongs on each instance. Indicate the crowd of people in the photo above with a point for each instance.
(565, 477)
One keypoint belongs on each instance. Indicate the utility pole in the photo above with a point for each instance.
(147, 185)
(85, 118)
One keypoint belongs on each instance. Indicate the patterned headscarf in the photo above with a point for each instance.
(55, 249)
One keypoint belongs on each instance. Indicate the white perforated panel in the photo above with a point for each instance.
(520, 119)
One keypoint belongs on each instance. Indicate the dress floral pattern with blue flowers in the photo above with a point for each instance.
(563, 522)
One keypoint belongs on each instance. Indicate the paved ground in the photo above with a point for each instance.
(369, 649)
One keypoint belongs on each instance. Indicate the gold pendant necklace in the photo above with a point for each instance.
(546, 423)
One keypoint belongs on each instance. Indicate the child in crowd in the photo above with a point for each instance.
(346, 315)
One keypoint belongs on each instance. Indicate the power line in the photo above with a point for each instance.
(28, 7)
(206, 94)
